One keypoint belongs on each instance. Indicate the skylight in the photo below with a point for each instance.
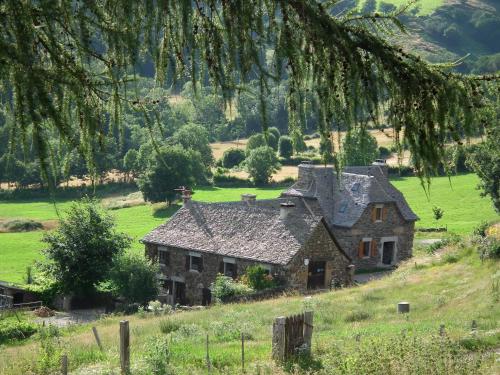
(343, 207)
(355, 187)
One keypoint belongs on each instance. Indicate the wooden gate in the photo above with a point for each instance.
(290, 334)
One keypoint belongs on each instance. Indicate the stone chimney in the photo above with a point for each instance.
(381, 163)
(185, 194)
(285, 209)
(250, 198)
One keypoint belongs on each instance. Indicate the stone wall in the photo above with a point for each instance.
(393, 225)
(319, 247)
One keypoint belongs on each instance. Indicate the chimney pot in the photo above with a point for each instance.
(285, 209)
(248, 197)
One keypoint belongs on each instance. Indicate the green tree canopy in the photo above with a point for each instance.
(285, 146)
(172, 167)
(261, 164)
(81, 250)
(359, 148)
(195, 137)
(67, 67)
(233, 157)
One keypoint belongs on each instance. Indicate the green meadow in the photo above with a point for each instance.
(463, 207)
(425, 6)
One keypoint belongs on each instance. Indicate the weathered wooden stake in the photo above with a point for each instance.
(124, 347)
(64, 364)
(242, 352)
(442, 330)
(403, 307)
(97, 339)
(308, 330)
(474, 325)
(208, 358)
(279, 339)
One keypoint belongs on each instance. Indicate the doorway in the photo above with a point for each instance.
(180, 293)
(316, 275)
(388, 252)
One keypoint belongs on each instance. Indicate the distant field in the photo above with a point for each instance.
(426, 6)
(462, 204)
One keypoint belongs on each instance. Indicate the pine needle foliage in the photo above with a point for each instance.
(67, 67)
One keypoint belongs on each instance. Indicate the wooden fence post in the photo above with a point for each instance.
(308, 330)
(97, 339)
(124, 347)
(64, 364)
(208, 358)
(279, 339)
(442, 331)
(242, 352)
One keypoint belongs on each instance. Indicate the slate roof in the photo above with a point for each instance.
(344, 200)
(239, 229)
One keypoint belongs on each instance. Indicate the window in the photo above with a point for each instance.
(343, 207)
(163, 256)
(378, 212)
(168, 286)
(366, 248)
(194, 262)
(230, 270)
(355, 187)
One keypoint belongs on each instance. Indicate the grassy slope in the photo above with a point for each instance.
(462, 204)
(426, 6)
(439, 292)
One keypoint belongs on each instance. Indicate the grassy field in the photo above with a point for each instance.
(426, 6)
(451, 288)
(462, 204)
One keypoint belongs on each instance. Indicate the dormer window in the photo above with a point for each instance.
(379, 213)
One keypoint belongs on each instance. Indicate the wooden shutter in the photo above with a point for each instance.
(221, 268)
(360, 249)
(188, 263)
(373, 248)
(374, 214)
(384, 213)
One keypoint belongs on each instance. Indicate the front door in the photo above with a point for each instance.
(388, 252)
(316, 275)
(180, 293)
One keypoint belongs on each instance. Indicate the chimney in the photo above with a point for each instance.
(285, 209)
(382, 165)
(250, 198)
(185, 194)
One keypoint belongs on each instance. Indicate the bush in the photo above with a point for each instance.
(274, 131)
(168, 325)
(489, 248)
(384, 152)
(285, 147)
(261, 163)
(225, 287)
(480, 230)
(255, 141)
(133, 277)
(259, 278)
(157, 356)
(157, 308)
(232, 157)
(357, 316)
(272, 141)
(21, 226)
(15, 330)
(298, 142)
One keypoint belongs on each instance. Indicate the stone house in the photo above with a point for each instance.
(368, 216)
(282, 235)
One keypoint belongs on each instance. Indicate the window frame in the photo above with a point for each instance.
(232, 262)
(379, 208)
(369, 242)
(163, 250)
(199, 257)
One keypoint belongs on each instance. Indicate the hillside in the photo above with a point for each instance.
(355, 329)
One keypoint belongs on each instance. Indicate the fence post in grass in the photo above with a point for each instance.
(474, 326)
(442, 331)
(242, 352)
(124, 347)
(279, 339)
(308, 330)
(208, 358)
(97, 339)
(64, 364)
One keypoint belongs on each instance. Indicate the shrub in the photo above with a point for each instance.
(255, 141)
(157, 356)
(384, 152)
(298, 141)
(285, 147)
(489, 248)
(357, 316)
(225, 287)
(168, 325)
(22, 226)
(232, 157)
(261, 163)
(480, 230)
(274, 131)
(157, 308)
(259, 278)
(15, 330)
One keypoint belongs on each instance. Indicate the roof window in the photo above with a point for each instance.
(343, 207)
(355, 187)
